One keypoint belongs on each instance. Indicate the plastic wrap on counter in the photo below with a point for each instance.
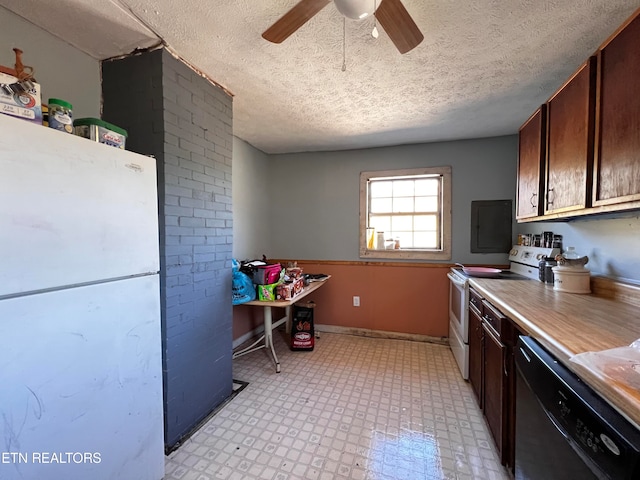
(621, 364)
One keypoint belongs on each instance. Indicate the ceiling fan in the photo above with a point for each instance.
(391, 14)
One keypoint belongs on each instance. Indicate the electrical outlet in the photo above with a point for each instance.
(356, 301)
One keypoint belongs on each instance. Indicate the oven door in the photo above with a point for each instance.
(459, 305)
(460, 351)
(459, 321)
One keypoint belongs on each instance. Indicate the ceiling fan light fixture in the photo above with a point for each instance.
(356, 9)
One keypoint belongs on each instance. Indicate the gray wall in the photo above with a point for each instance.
(252, 210)
(165, 105)
(612, 244)
(61, 70)
(314, 197)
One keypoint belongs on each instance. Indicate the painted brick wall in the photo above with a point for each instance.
(186, 123)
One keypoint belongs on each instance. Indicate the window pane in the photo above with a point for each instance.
(425, 240)
(402, 223)
(425, 223)
(403, 188)
(381, 188)
(406, 239)
(381, 224)
(426, 204)
(381, 205)
(427, 186)
(404, 204)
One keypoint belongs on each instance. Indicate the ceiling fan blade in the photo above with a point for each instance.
(396, 21)
(291, 21)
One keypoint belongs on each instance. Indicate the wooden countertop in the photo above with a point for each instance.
(568, 324)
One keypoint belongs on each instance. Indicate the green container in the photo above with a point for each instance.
(60, 115)
(100, 131)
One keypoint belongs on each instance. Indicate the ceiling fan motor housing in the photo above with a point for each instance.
(356, 9)
(390, 15)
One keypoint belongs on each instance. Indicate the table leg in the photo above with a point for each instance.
(288, 314)
(268, 332)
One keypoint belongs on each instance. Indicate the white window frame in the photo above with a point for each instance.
(443, 253)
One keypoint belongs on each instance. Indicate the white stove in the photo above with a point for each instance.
(524, 260)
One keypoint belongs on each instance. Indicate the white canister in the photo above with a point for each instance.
(380, 241)
(571, 280)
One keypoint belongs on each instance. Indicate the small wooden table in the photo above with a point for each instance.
(266, 340)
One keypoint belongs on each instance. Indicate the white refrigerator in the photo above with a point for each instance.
(80, 341)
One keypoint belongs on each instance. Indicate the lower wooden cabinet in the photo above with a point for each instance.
(492, 337)
(495, 388)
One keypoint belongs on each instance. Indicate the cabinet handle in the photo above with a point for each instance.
(549, 199)
(533, 195)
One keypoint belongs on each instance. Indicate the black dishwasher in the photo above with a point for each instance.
(564, 430)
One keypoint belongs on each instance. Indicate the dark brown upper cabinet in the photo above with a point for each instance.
(531, 157)
(570, 133)
(591, 138)
(617, 161)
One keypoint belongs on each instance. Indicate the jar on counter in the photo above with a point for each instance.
(60, 115)
(549, 263)
(570, 253)
(545, 272)
(541, 270)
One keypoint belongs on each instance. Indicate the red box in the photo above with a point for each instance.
(286, 291)
(302, 331)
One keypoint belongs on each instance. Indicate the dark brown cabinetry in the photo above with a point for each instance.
(495, 375)
(495, 387)
(590, 142)
(531, 157)
(492, 337)
(570, 128)
(617, 160)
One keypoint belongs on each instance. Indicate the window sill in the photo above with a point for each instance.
(406, 254)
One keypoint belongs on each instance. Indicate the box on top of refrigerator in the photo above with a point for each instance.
(100, 131)
(20, 99)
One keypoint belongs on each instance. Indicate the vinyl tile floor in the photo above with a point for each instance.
(353, 408)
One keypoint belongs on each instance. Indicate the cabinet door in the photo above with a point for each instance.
(475, 354)
(570, 129)
(531, 155)
(617, 167)
(495, 388)
(510, 339)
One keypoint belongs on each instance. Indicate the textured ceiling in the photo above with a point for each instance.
(484, 66)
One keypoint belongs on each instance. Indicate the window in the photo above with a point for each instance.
(411, 209)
